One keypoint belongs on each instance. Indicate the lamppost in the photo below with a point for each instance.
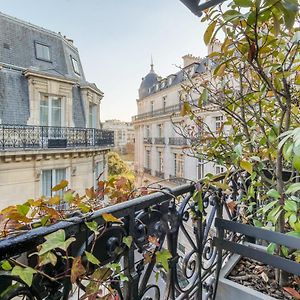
(196, 7)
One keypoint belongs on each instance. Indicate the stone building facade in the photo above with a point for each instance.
(49, 114)
(123, 134)
(161, 152)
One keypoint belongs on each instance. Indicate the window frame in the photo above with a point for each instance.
(36, 53)
(73, 65)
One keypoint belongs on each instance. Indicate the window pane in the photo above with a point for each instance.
(44, 118)
(42, 51)
(46, 182)
(75, 65)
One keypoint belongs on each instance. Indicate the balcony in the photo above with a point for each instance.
(159, 112)
(159, 141)
(148, 141)
(133, 234)
(23, 137)
(177, 180)
(147, 171)
(177, 141)
(160, 174)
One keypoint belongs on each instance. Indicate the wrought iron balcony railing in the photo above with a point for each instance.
(154, 223)
(159, 141)
(159, 112)
(177, 141)
(160, 174)
(147, 170)
(177, 180)
(13, 137)
(148, 140)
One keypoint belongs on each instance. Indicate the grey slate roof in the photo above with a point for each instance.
(151, 86)
(17, 54)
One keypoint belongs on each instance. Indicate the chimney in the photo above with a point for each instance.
(189, 59)
(215, 46)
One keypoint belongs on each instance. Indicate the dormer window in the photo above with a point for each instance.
(170, 80)
(156, 87)
(42, 52)
(75, 65)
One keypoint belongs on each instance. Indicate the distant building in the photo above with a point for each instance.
(161, 152)
(49, 114)
(123, 134)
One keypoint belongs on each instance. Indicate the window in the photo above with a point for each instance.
(98, 172)
(181, 248)
(92, 115)
(219, 123)
(160, 130)
(147, 131)
(178, 165)
(51, 111)
(170, 79)
(148, 162)
(51, 178)
(219, 169)
(42, 52)
(200, 169)
(164, 103)
(75, 65)
(160, 162)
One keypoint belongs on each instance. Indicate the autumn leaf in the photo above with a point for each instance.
(153, 240)
(247, 166)
(292, 292)
(232, 205)
(209, 32)
(251, 53)
(63, 184)
(54, 200)
(77, 269)
(90, 193)
(111, 218)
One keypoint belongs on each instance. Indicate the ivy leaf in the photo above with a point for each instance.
(23, 209)
(209, 32)
(68, 197)
(247, 166)
(123, 277)
(77, 269)
(56, 240)
(6, 266)
(91, 258)
(102, 274)
(127, 240)
(92, 226)
(271, 248)
(163, 257)
(26, 274)
(54, 200)
(63, 184)
(47, 258)
(111, 218)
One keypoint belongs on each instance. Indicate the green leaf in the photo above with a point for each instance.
(273, 193)
(68, 197)
(268, 206)
(295, 187)
(91, 258)
(198, 199)
(23, 209)
(26, 274)
(287, 150)
(257, 223)
(209, 32)
(48, 257)
(271, 248)
(243, 3)
(92, 226)
(56, 240)
(247, 166)
(123, 277)
(290, 205)
(285, 251)
(127, 240)
(238, 149)
(6, 266)
(163, 257)
(157, 276)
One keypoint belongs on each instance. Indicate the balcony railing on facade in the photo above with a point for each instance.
(147, 170)
(147, 221)
(13, 137)
(160, 174)
(159, 141)
(159, 112)
(177, 141)
(147, 140)
(177, 179)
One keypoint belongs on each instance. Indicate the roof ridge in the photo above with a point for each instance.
(26, 23)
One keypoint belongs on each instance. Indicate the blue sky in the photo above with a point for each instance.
(116, 39)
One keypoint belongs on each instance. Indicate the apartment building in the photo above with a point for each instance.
(49, 114)
(161, 152)
(123, 134)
